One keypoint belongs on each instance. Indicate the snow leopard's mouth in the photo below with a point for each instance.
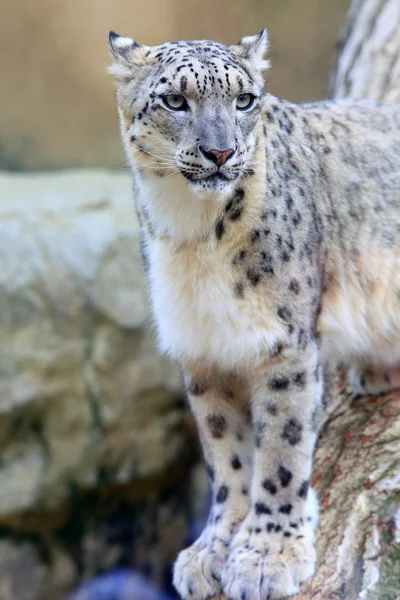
(217, 176)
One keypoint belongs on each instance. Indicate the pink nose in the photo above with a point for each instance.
(218, 157)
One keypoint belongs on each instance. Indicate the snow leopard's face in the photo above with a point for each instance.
(190, 109)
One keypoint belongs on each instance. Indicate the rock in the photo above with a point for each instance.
(96, 446)
(22, 573)
(109, 531)
(84, 398)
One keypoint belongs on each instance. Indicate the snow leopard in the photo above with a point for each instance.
(270, 236)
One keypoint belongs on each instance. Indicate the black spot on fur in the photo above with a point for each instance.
(239, 256)
(238, 289)
(236, 212)
(220, 229)
(183, 84)
(289, 202)
(197, 388)
(272, 409)
(217, 425)
(210, 472)
(303, 489)
(144, 252)
(267, 269)
(299, 379)
(302, 339)
(222, 494)
(270, 526)
(292, 431)
(269, 486)
(296, 218)
(285, 256)
(276, 349)
(259, 431)
(294, 286)
(262, 509)
(235, 206)
(236, 463)
(278, 383)
(284, 313)
(285, 476)
(253, 276)
(285, 509)
(239, 436)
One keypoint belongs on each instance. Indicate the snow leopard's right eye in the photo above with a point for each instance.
(245, 101)
(175, 102)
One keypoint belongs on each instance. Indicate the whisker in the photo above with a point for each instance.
(176, 173)
(159, 163)
(168, 145)
(156, 155)
(160, 168)
(124, 165)
(255, 147)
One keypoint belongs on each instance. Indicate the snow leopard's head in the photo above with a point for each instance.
(190, 109)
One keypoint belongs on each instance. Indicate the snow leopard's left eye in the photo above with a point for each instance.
(175, 102)
(245, 101)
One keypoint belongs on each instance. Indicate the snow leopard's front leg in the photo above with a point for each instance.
(224, 425)
(273, 551)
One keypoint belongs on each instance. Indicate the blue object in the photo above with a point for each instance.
(118, 585)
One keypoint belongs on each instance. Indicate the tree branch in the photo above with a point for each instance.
(368, 53)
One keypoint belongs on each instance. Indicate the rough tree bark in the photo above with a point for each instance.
(368, 52)
(357, 460)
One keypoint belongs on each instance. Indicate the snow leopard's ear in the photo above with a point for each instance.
(253, 48)
(128, 55)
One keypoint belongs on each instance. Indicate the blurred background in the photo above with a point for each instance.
(100, 480)
(57, 104)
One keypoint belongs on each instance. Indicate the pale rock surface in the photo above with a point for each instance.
(84, 397)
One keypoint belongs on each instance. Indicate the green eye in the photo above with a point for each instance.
(175, 102)
(245, 101)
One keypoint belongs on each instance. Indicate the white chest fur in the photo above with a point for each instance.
(197, 315)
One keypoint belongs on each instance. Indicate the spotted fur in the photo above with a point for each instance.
(271, 240)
